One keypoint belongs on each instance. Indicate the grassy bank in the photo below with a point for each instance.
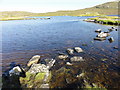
(11, 18)
(109, 20)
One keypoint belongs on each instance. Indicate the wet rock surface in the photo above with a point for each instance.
(34, 59)
(78, 49)
(70, 51)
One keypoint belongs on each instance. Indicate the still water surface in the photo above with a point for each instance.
(21, 39)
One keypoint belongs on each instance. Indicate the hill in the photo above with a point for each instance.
(109, 8)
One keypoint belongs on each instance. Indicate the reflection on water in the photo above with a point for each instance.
(21, 39)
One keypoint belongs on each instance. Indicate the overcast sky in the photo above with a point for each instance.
(40, 6)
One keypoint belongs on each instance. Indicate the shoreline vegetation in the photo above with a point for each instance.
(107, 20)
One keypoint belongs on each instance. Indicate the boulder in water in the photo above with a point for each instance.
(98, 30)
(63, 57)
(103, 35)
(15, 71)
(111, 39)
(78, 49)
(34, 59)
(70, 51)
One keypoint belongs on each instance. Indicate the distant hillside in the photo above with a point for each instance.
(15, 14)
(109, 8)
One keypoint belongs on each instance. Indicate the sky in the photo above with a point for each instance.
(42, 6)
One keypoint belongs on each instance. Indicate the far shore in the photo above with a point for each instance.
(102, 19)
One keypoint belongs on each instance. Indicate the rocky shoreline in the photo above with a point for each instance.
(66, 70)
(63, 71)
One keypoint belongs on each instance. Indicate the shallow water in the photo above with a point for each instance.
(21, 39)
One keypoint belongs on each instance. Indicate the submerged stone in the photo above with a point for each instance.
(76, 58)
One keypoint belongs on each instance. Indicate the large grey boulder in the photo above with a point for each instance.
(70, 51)
(78, 49)
(36, 68)
(33, 60)
(76, 59)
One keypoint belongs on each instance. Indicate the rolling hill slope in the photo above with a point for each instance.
(109, 8)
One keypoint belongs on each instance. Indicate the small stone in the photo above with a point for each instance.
(111, 39)
(78, 49)
(115, 47)
(62, 57)
(103, 35)
(76, 58)
(15, 71)
(68, 63)
(34, 59)
(70, 51)
(104, 59)
(98, 30)
(113, 27)
(81, 75)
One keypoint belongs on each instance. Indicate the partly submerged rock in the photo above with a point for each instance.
(70, 51)
(98, 30)
(34, 59)
(111, 39)
(51, 63)
(36, 68)
(15, 71)
(76, 58)
(103, 35)
(62, 57)
(113, 27)
(115, 47)
(78, 49)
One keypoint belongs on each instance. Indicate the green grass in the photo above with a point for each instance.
(107, 20)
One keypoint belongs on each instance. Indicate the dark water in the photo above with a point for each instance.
(21, 39)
